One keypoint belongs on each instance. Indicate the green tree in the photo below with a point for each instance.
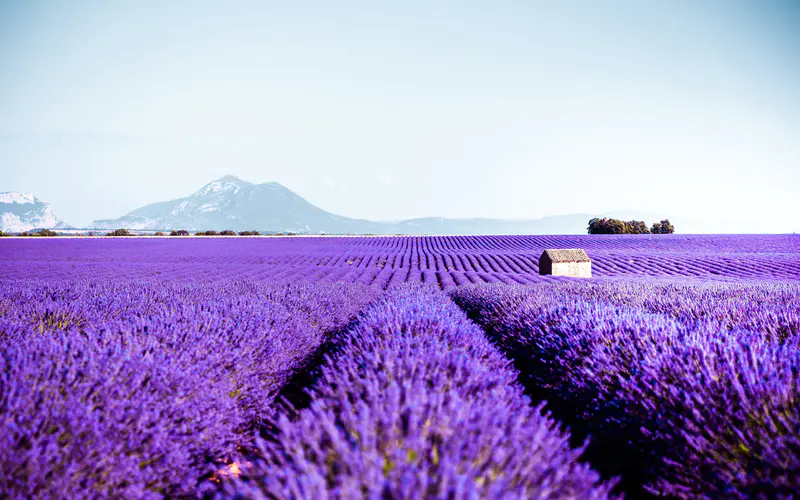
(663, 227)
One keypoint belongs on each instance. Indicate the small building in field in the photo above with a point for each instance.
(566, 262)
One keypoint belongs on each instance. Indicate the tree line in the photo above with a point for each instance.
(616, 226)
(183, 232)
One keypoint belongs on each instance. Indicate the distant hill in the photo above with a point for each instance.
(24, 212)
(231, 203)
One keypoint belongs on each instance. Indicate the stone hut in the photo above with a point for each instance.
(566, 262)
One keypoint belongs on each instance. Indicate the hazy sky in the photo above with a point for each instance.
(389, 110)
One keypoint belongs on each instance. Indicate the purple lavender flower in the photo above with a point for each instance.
(417, 403)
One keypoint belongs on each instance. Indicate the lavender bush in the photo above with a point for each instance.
(416, 403)
(681, 407)
(129, 389)
(770, 308)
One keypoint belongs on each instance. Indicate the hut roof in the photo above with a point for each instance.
(567, 255)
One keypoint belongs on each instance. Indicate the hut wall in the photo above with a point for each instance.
(545, 266)
(574, 269)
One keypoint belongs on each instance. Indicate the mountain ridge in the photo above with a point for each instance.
(233, 198)
(229, 203)
(24, 212)
(232, 203)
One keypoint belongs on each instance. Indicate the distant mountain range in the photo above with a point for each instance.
(24, 212)
(231, 203)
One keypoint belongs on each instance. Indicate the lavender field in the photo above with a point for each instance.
(399, 367)
(445, 261)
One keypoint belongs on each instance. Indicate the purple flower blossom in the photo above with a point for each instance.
(690, 405)
(132, 389)
(417, 403)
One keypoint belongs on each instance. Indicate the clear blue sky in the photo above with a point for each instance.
(389, 110)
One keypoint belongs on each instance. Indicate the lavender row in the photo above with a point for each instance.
(418, 248)
(202, 273)
(772, 309)
(683, 408)
(443, 259)
(416, 403)
(133, 390)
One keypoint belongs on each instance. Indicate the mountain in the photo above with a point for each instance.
(23, 212)
(231, 203)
